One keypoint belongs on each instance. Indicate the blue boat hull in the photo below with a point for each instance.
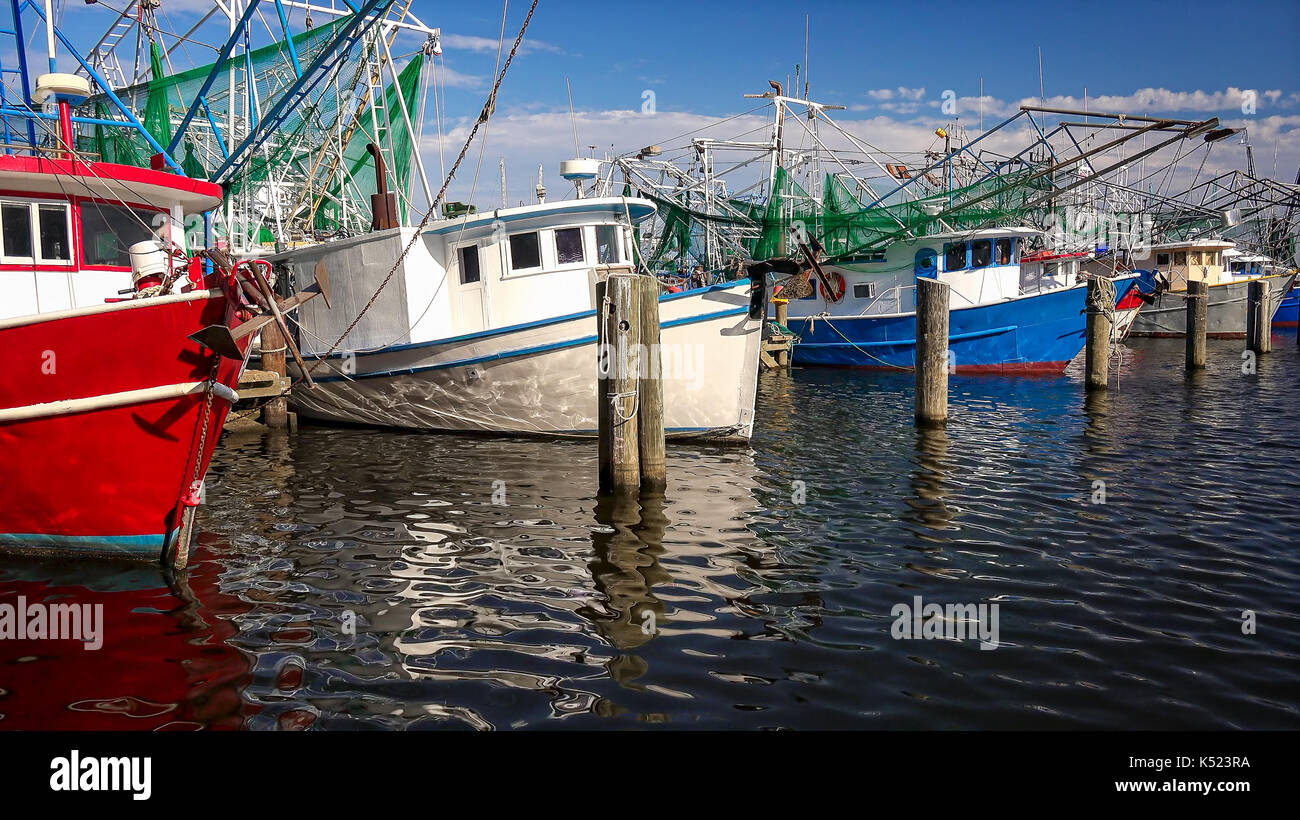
(1032, 334)
(1288, 313)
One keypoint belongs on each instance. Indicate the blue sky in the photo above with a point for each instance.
(888, 62)
(701, 56)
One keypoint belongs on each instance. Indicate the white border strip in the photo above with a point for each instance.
(125, 304)
(110, 400)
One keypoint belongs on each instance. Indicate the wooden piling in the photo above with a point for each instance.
(1258, 321)
(931, 351)
(618, 335)
(650, 406)
(275, 413)
(1097, 358)
(782, 313)
(1197, 297)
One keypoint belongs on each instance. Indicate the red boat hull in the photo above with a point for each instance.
(108, 480)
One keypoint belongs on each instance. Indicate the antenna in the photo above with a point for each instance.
(1042, 97)
(805, 58)
(981, 104)
(503, 182)
(572, 119)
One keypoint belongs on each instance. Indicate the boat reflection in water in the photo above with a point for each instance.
(430, 598)
(164, 664)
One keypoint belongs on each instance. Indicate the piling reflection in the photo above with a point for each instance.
(928, 505)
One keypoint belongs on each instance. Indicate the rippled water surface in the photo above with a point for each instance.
(352, 578)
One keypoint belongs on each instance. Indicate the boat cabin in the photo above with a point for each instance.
(66, 228)
(980, 266)
(1199, 259)
(1242, 265)
(475, 273)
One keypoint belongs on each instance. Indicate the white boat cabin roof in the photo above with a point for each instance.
(473, 226)
(1195, 245)
(982, 233)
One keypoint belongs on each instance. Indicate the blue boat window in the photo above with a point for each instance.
(981, 253)
(954, 256)
(1005, 251)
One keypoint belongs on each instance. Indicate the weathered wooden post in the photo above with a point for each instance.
(650, 404)
(1197, 296)
(275, 413)
(931, 351)
(1258, 321)
(782, 313)
(618, 334)
(1097, 358)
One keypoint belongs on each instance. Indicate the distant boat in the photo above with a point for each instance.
(490, 326)
(1166, 269)
(1010, 311)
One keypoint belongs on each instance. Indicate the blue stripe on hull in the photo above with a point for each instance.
(1041, 329)
(135, 546)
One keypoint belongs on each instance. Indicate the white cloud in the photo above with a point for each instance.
(488, 45)
(900, 93)
(527, 138)
(451, 78)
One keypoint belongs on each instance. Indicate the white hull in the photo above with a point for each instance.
(540, 378)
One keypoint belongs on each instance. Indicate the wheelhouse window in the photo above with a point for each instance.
(52, 221)
(954, 256)
(16, 230)
(864, 290)
(1162, 259)
(109, 231)
(1180, 258)
(469, 272)
(607, 244)
(981, 253)
(35, 232)
(1005, 251)
(568, 246)
(525, 251)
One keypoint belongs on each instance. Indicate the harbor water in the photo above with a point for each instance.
(1142, 548)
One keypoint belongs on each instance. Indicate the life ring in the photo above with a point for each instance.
(837, 281)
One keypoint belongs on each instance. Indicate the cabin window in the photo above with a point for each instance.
(1162, 259)
(607, 244)
(52, 220)
(954, 256)
(16, 227)
(35, 232)
(981, 253)
(525, 251)
(469, 273)
(1180, 258)
(568, 246)
(864, 290)
(1195, 258)
(109, 231)
(1004, 251)
(1211, 258)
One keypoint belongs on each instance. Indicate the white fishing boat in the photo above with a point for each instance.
(489, 325)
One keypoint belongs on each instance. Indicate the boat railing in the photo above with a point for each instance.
(896, 292)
